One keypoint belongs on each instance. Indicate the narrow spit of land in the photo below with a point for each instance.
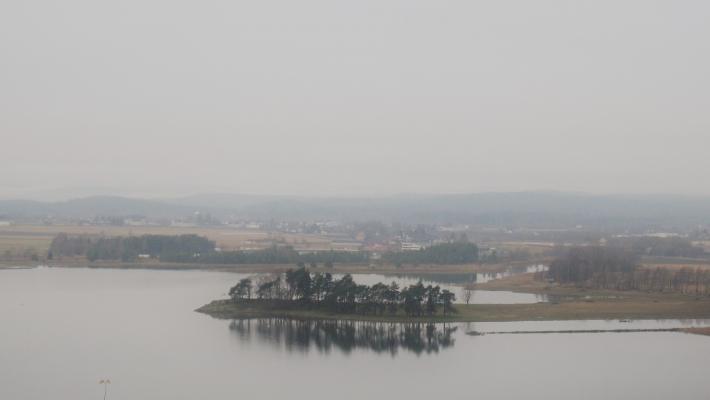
(635, 307)
(695, 331)
(475, 333)
(698, 331)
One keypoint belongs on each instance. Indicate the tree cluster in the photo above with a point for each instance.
(64, 245)
(322, 290)
(129, 248)
(159, 246)
(444, 253)
(616, 268)
(598, 267)
(685, 280)
(189, 249)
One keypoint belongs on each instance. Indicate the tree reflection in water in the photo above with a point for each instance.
(325, 335)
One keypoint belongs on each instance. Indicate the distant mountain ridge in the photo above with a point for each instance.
(88, 207)
(501, 209)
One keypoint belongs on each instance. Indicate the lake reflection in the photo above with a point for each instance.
(62, 330)
(346, 336)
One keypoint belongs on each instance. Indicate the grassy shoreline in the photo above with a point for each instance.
(635, 308)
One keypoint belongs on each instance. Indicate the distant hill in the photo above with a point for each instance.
(225, 201)
(89, 207)
(535, 209)
(550, 209)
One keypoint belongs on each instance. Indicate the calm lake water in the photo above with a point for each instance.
(64, 329)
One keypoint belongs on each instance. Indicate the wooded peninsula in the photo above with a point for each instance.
(585, 283)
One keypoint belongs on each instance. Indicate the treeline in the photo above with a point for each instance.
(443, 253)
(617, 268)
(64, 245)
(198, 249)
(321, 291)
(598, 267)
(159, 246)
(659, 246)
(131, 247)
(188, 249)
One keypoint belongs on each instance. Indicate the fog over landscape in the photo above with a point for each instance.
(328, 199)
(322, 98)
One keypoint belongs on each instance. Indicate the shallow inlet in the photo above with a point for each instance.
(456, 282)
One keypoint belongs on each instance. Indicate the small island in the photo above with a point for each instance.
(301, 294)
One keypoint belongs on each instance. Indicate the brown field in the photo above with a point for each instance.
(527, 283)
(705, 265)
(39, 237)
(698, 331)
(675, 263)
(18, 238)
(19, 242)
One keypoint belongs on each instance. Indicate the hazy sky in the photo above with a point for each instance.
(363, 97)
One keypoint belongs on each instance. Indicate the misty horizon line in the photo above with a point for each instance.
(324, 196)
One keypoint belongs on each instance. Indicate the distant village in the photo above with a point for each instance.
(375, 238)
(23, 238)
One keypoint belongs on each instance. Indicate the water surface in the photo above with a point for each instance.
(64, 329)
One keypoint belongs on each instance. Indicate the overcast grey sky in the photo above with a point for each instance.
(366, 97)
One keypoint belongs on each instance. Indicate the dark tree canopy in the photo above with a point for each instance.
(190, 249)
(443, 253)
(301, 288)
(618, 268)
